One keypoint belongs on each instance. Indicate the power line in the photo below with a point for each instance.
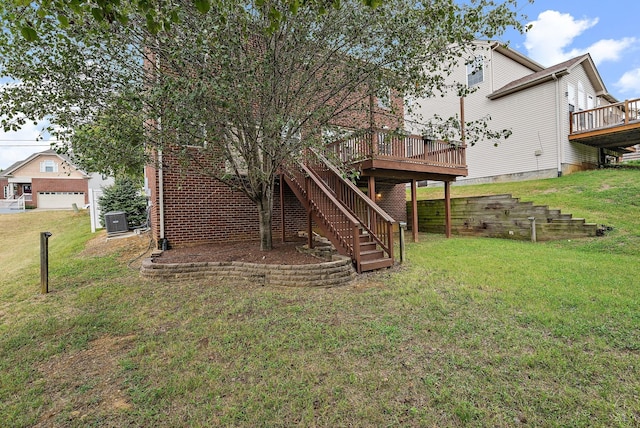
(23, 145)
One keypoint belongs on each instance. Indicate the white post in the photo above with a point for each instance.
(533, 228)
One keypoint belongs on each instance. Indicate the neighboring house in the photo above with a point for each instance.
(189, 208)
(48, 180)
(634, 155)
(562, 118)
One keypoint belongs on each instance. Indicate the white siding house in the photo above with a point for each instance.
(532, 101)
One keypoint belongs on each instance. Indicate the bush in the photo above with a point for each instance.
(124, 195)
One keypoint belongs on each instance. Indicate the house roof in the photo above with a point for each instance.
(11, 168)
(9, 171)
(516, 56)
(553, 72)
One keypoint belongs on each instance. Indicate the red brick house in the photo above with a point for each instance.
(47, 180)
(190, 209)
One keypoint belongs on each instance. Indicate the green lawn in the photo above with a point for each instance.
(469, 332)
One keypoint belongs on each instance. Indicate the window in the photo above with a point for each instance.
(581, 97)
(193, 135)
(384, 98)
(48, 166)
(475, 71)
(571, 97)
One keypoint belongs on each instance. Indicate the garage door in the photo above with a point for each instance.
(60, 199)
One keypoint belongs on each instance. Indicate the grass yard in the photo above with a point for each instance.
(469, 332)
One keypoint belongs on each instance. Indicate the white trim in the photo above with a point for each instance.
(20, 180)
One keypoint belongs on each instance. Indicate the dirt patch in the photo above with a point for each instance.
(85, 383)
(130, 248)
(282, 254)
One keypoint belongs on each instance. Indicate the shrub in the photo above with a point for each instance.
(124, 195)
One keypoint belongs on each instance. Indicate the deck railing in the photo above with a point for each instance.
(609, 116)
(377, 223)
(384, 144)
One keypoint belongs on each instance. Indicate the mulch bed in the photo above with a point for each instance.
(283, 254)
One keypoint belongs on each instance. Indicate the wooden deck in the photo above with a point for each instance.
(385, 154)
(615, 126)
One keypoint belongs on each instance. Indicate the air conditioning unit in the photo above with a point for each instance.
(116, 222)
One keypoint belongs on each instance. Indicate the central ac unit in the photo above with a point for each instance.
(116, 222)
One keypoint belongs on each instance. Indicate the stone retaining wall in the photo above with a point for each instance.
(337, 272)
(500, 216)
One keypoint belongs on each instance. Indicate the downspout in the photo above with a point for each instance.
(491, 67)
(558, 130)
(161, 200)
(163, 241)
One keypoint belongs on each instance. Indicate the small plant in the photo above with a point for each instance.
(124, 195)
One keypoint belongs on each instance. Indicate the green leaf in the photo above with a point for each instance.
(97, 13)
(294, 5)
(64, 21)
(29, 33)
(203, 5)
(75, 6)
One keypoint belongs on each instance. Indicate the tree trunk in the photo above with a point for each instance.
(265, 213)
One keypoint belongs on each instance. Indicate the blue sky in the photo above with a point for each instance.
(562, 29)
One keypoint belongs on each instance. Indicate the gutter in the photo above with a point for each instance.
(542, 79)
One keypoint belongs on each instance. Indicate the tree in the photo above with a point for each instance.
(251, 83)
(124, 195)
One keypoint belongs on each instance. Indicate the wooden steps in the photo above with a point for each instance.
(371, 257)
(340, 224)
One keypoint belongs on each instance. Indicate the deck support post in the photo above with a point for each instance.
(309, 219)
(447, 209)
(414, 209)
(372, 188)
(282, 219)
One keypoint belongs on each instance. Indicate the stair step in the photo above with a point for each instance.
(375, 264)
(371, 254)
(367, 246)
(365, 237)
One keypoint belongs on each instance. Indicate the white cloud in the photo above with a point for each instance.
(605, 50)
(553, 32)
(629, 82)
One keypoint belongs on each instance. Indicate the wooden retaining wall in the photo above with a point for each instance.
(337, 272)
(500, 216)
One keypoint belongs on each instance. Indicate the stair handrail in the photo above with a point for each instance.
(382, 231)
(353, 187)
(347, 237)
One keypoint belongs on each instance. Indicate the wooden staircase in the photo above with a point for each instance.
(354, 224)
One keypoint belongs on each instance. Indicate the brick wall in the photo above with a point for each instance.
(393, 200)
(3, 182)
(199, 210)
(360, 117)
